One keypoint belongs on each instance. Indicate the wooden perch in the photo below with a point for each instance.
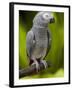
(31, 70)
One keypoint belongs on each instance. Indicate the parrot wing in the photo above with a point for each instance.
(49, 41)
(30, 42)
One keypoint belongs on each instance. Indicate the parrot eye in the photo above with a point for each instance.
(45, 16)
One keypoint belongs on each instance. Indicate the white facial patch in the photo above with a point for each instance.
(45, 16)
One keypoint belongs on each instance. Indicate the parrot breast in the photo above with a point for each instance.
(41, 44)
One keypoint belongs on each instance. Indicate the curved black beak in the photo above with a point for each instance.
(52, 20)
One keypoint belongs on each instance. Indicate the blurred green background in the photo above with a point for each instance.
(56, 53)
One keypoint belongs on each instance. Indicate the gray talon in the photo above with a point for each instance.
(37, 66)
(44, 63)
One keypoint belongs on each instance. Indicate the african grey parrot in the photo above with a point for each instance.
(38, 40)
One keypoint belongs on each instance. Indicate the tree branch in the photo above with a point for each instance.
(31, 70)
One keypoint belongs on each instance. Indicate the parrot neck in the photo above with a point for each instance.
(40, 29)
(40, 25)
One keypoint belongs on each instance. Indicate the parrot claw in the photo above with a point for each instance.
(44, 63)
(37, 66)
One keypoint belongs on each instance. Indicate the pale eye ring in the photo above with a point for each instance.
(45, 16)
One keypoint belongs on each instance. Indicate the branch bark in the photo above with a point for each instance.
(31, 70)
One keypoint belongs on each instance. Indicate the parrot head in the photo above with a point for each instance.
(43, 18)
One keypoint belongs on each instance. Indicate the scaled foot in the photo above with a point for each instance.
(44, 63)
(37, 65)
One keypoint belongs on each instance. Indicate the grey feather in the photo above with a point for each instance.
(49, 41)
(30, 42)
